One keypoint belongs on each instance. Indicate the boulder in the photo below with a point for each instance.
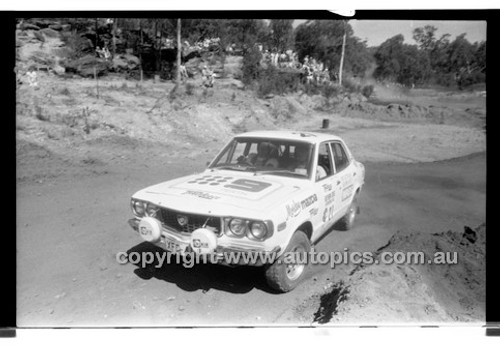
(57, 27)
(28, 26)
(85, 66)
(50, 32)
(238, 84)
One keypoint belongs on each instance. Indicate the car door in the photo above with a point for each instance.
(328, 188)
(345, 174)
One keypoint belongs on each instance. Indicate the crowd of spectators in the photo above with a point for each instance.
(314, 71)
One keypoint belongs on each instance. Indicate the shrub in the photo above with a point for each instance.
(251, 65)
(77, 45)
(65, 92)
(351, 86)
(272, 80)
(330, 90)
(190, 89)
(367, 90)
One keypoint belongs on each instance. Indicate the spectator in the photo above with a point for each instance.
(207, 77)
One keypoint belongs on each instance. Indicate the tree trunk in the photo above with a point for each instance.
(179, 52)
(140, 48)
(115, 25)
(96, 34)
(342, 58)
(157, 55)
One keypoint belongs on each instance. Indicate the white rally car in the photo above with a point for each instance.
(268, 192)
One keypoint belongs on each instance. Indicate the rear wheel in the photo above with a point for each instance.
(347, 221)
(286, 272)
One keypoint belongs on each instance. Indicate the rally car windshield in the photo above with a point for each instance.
(266, 156)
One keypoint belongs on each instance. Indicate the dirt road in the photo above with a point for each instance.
(70, 228)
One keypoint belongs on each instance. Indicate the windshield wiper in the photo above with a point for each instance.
(265, 172)
(237, 167)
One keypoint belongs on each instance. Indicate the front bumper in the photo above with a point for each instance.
(228, 254)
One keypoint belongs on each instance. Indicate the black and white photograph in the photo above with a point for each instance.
(215, 169)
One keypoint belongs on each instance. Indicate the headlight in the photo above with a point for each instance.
(151, 210)
(258, 230)
(238, 227)
(138, 208)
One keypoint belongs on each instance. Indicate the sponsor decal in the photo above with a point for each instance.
(145, 231)
(329, 198)
(293, 209)
(248, 185)
(197, 243)
(309, 201)
(313, 211)
(347, 192)
(327, 187)
(202, 195)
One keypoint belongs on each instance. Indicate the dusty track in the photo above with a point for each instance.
(71, 227)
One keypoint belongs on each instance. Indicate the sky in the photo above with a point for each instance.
(377, 31)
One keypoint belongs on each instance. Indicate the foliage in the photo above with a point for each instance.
(77, 45)
(274, 81)
(251, 65)
(367, 90)
(281, 35)
(322, 40)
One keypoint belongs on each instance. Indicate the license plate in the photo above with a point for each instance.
(172, 246)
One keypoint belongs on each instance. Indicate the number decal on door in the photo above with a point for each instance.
(328, 214)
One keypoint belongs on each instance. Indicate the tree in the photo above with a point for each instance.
(322, 40)
(179, 50)
(281, 34)
(403, 63)
(425, 37)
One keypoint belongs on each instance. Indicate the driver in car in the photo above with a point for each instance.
(266, 156)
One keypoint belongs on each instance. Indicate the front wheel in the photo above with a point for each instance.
(286, 272)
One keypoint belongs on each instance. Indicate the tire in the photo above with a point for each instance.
(347, 221)
(284, 277)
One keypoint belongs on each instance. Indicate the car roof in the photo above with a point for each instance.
(310, 137)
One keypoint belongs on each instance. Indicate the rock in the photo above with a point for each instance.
(50, 33)
(27, 26)
(171, 298)
(85, 66)
(59, 70)
(238, 84)
(181, 308)
(57, 27)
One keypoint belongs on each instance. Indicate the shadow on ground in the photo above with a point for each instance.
(202, 276)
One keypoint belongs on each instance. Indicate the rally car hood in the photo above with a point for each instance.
(222, 192)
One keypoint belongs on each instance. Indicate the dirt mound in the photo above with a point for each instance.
(458, 288)
(424, 293)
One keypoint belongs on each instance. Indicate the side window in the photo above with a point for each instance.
(340, 157)
(325, 166)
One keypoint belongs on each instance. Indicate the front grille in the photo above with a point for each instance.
(169, 218)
